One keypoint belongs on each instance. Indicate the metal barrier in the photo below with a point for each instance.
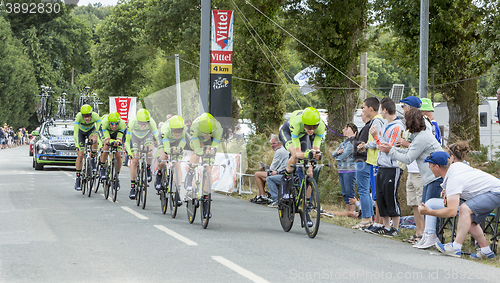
(241, 183)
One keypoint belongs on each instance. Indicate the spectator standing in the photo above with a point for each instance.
(389, 173)
(423, 143)
(274, 175)
(368, 113)
(428, 112)
(2, 138)
(345, 165)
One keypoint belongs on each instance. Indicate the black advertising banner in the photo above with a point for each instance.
(221, 68)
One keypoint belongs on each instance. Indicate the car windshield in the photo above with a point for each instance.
(58, 130)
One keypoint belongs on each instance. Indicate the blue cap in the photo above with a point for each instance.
(412, 101)
(438, 158)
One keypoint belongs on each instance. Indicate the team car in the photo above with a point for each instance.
(55, 145)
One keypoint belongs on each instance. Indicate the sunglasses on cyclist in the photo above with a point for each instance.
(177, 131)
(311, 127)
(114, 123)
(86, 115)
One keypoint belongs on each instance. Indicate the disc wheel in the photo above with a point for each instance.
(286, 211)
(311, 208)
(173, 192)
(144, 189)
(206, 201)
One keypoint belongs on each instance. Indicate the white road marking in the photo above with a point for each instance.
(238, 269)
(110, 198)
(130, 210)
(175, 235)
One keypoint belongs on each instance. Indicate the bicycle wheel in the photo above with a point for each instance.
(163, 192)
(286, 211)
(90, 178)
(138, 184)
(83, 176)
(173, 192)
(114, 188)
(39, 111)
(311, 208)
(107, 181)
(191, 210)
(144, 187)
(206, 200)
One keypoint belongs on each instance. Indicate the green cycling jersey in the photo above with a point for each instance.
(297, 130)
(136, 130)
(168, 138)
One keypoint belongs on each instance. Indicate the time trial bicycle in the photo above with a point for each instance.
(169, 192)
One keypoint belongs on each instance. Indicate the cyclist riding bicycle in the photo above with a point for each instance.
(111, 133)
(84, 128)
(141, 130)
(173, 134)
(301, 134)
(205, 131)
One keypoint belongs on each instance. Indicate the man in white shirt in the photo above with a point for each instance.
(481, 192)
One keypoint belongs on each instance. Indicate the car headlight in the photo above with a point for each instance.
(45, 148)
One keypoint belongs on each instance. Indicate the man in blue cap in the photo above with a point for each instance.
(411, 101)
(481, 192)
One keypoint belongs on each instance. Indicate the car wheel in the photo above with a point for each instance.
(37, 166)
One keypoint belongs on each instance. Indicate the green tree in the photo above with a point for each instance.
(17, 81)
(335, 30)
(456, 51)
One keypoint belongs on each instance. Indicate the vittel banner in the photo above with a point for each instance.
(125, 106)
(221, 68)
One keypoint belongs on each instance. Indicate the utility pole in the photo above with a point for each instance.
(424, 48)
(363, 71)
(178, 85)
(204, 55)
(72, 76)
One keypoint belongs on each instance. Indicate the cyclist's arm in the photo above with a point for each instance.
(154, 129)
(217, 135)
(319, 134)
(127, 142)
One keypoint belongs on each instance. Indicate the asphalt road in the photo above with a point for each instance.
(51, 233)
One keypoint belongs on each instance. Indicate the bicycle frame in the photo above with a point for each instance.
(141, 178)
(111, 172)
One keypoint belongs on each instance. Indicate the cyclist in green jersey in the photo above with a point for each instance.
(173, 134)
(141, 130)
(85, 128)
(205, 131)
(301, 134)
(111, 133)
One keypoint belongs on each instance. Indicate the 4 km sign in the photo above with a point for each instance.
(221, 65)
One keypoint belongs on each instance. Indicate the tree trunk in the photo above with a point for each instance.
(463, 110)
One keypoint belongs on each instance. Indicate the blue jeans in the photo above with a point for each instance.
(373, 180)
(272, 183)
(363, 183)
(347, 185)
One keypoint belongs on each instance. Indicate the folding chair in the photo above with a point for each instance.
(449, 223)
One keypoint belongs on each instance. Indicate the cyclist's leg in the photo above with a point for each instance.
(79, 158)
(104, 157)
(161, 165)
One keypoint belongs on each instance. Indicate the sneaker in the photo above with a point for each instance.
(150, 175)
(158, 184)
(448, 249)
(102, 173)
(480, 254)
(373, 229)
(92, 164)
(261, 200)
(254, 199)
(430, 241)
(419, 243)
(309, 221)
(391, 233)
(77, 184)
(132, 193)
(273, 204)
